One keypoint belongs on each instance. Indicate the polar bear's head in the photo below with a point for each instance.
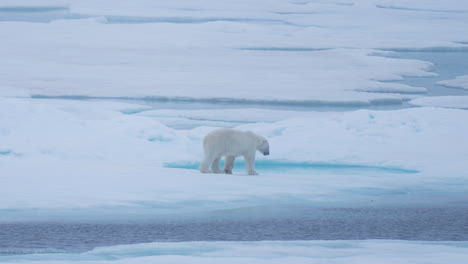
(263, 146)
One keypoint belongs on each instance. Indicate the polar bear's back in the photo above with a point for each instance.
(228, 141)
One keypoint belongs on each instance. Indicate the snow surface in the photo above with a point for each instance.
(310, 52)
(460, 102)
(459, 82)
(349, 251)
(91, 155)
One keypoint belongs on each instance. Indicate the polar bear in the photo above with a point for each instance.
(232, 143)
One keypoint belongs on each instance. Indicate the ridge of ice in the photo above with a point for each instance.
(458, 82)
(460, 102)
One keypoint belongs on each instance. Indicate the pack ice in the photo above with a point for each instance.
(104, 105)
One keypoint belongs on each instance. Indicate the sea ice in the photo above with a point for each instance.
(274, 53)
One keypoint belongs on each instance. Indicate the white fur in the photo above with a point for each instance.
(232, 143)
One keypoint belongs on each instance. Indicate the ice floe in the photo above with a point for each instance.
(90, 158)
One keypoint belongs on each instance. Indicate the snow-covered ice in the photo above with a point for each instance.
(74, 143)
(319, 52)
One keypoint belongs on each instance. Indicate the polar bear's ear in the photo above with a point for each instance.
(260, 140)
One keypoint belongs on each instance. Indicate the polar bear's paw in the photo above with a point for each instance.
(252, 172)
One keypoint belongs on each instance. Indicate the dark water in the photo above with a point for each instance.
(424, 224)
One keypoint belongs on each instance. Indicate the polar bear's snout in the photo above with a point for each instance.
(265, 148)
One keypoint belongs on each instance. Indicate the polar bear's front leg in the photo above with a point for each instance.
(207, 161)
(229, 164)
(215, 166)
(250, 163)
